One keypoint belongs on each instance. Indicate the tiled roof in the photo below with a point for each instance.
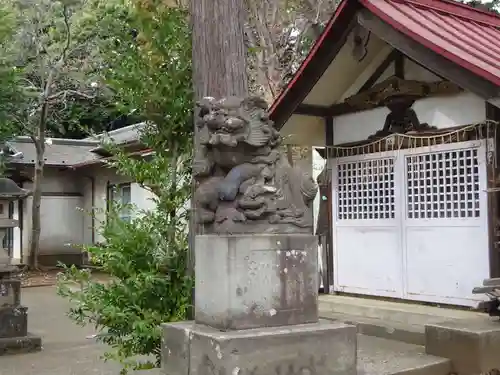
(58, 152)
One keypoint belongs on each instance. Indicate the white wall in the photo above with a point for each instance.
(103, 176)
(318, 163)
(61, 216)
(142, 198)
(442, 112)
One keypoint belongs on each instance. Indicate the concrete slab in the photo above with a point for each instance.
(473, 346)
(388, 311)
(251, 281)
(377, 356)
(20, 345)
(403, 332)
(323, 348)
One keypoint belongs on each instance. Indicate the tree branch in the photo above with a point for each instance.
(65, 93)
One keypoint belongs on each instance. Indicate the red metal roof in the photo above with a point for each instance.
(464, 35)
(467, 36)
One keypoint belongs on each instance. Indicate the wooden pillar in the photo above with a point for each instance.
(328, 243)
(493, 113)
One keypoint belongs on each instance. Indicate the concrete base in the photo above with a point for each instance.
(323, 348)
(20, 345)
(10, 292)
(252, 281)
(473, 346)
(14, 321)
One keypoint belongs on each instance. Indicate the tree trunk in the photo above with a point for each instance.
(39, 142)
(219, 53)
(219, 66)
(35, 213)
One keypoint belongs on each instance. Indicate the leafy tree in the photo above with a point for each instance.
(491, 5)
(46, 71)
(9, 77)
(145, 55)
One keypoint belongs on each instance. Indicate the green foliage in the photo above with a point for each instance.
(9, 77)
(144, 58)
(149, 286)
(40, 35)
(491, 5)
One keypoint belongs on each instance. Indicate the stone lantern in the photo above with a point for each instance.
(9, 191)
(14, 336)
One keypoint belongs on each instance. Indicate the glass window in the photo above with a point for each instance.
(121, 194)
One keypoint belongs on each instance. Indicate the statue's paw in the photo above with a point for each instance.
(251, 204)
(229, 214)
(205, 216)
(255, 214)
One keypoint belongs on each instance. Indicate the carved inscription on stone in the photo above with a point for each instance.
(259, 284)
(312, 366)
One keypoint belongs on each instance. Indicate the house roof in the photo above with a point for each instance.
(61, 152)
(58, 152)
(466, 36)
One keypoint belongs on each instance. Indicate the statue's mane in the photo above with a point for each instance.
(232, 121)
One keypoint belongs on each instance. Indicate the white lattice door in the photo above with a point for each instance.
(412, 224)
(445, 225)
(367, 243)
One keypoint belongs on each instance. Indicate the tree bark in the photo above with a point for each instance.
(35, 214)
(219, 67)
(219, 53)
(36, 226)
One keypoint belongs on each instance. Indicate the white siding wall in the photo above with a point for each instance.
(442, 112)
(66, 209)
(61, 216)
(141, 198)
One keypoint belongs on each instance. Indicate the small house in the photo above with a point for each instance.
(77, 184)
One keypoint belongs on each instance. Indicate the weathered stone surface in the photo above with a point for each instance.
(13, 321)
(473, 346)
(323, 348)
(10, 292)
(256, 281)
(18, 345)
(244, 184)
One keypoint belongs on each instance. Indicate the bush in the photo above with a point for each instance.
(148, 285)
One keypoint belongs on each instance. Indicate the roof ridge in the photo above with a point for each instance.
(458, 9)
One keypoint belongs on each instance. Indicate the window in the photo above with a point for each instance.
(8, 240)
(443, 185)
(366, 190)
(121, 195)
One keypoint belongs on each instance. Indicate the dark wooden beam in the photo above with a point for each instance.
(493, 113)
(380, 70)
(311, 110)
(329, 131)
(399, 65)
(428, 58)
(340, 109)
(332, 42)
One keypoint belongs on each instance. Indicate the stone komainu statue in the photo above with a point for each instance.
(244, 183)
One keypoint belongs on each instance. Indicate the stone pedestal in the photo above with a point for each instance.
(323, 348)
(473, 346)
(14, 336)
(256, 313)
(251, 281)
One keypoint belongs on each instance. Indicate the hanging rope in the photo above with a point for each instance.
(398, 141)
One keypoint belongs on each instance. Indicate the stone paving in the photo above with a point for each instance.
(67, 348)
